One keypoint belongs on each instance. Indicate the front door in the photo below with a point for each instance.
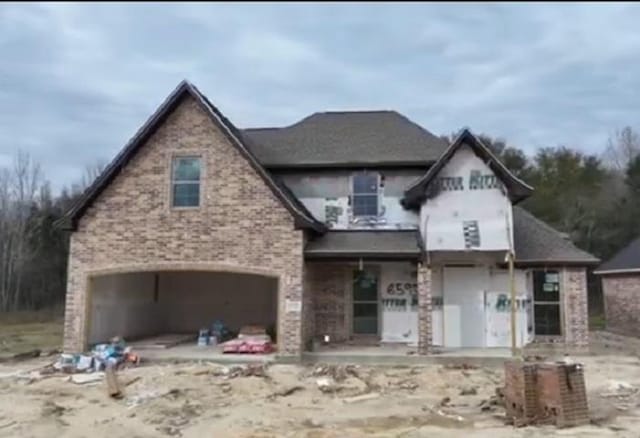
(365, 302)
(464, 306)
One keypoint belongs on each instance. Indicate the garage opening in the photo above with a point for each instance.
(159, 304)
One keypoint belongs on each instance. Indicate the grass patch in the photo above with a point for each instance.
(26, 331)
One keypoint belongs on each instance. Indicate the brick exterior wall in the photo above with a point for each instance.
(240, 225)
(576, 315)
(622, 303)
(328, 287)
(425, 335)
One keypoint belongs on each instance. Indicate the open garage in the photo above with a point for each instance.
(149, 304)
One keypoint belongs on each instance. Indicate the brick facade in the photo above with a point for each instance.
(239, 226)
(328, 287)
(622, 303)
(425, 329)
(576, 314)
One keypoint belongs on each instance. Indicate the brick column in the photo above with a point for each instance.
(576, 317)
(424, 309)
(290, 338)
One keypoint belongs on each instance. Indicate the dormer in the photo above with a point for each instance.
(465, 199)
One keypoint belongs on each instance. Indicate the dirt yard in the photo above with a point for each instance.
(321, 401)
(200, 399)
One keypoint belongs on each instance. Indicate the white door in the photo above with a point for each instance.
(498, 310)
(463, 293)
(400, 313)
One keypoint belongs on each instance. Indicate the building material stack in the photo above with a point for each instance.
(545, 393)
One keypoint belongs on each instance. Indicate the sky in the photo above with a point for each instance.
(77, 80)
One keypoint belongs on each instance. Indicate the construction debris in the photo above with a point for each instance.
(286, 392)
(326, 384)
(543, 393)
(113, 387)
(469, 391)
(82, 379)
(360, 398)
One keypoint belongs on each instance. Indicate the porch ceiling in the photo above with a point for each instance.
(388, 244)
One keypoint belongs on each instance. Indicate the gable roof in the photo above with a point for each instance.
(301, 215)
(626, 260)
(517, 189)
(346, 139)
(536, 243)
(379, 244)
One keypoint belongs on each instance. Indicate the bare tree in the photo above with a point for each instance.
(18, 195)
(89, 175)
(622, 148)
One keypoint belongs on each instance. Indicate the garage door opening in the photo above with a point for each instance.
(152, 304)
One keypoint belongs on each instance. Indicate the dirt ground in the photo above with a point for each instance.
(321, 401)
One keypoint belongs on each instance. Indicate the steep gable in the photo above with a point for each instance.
(423, 188)
(184, 92)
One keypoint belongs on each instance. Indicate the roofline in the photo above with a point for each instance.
(373, 230)
(370, 255)
(70, 219)
(549, 262)
(410, 195)
(351, 165)
(617, 271)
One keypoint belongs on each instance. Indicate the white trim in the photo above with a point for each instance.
(617, 271)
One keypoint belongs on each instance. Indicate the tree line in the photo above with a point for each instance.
(594, 198)
(34, 252)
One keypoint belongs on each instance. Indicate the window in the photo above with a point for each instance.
(546, 303)
(185, 184)
(365, 302)
(365, 194)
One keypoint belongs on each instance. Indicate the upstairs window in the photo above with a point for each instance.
(365, 194)
(185, 182)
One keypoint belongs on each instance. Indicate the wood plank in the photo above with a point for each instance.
(113, 387)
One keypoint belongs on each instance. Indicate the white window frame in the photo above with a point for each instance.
(174, 160)
(377, 194)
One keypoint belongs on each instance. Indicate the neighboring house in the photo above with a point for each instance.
(362, 226)
(621, 290)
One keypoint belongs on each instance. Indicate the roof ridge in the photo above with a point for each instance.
(362, 111)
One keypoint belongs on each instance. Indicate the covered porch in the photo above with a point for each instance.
(379, 293)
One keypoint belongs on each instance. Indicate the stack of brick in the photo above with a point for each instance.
(545, 393)
(562, 397)
(521, 398)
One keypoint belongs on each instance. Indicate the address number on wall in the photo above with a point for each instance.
(400, 289)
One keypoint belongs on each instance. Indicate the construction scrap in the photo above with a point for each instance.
(545, 393)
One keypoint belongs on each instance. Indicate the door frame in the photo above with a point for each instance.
(376, 270)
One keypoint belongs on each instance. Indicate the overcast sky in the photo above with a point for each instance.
(77, 80)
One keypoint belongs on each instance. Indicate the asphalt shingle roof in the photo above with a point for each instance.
(537, 242)
(385, 244)
(627, 259)
(346, 139)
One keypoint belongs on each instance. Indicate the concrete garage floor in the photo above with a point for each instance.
(190, 352)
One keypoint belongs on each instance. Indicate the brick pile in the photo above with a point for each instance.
(545, 393)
